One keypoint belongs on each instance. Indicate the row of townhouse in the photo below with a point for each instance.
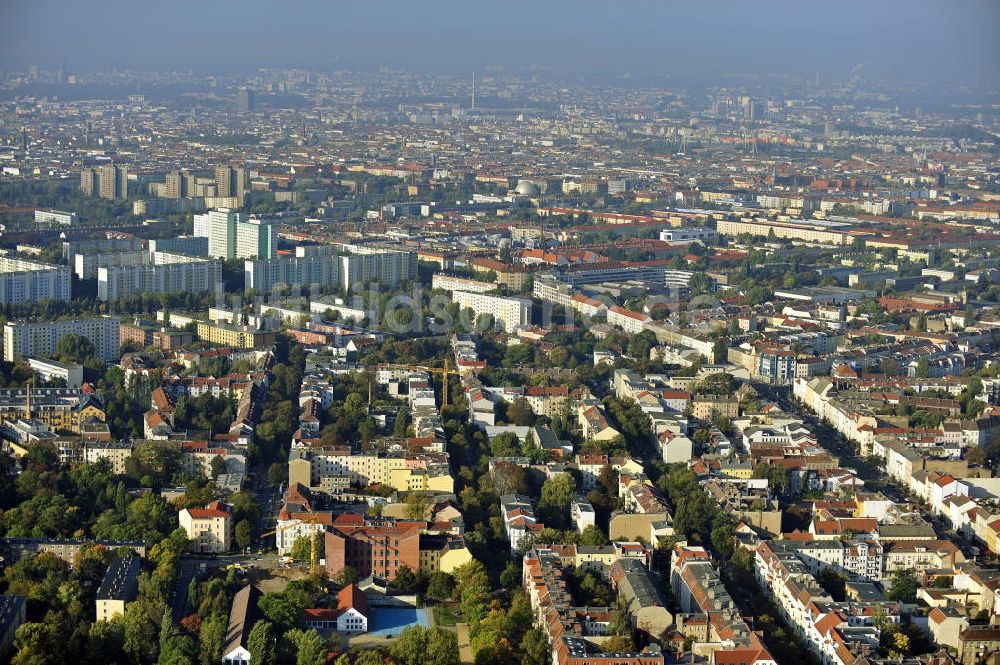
(562, 294)
(551, 290)
(820, 395)
(836, 633)
(867, 557)
(853, 415)
(708, 615)
(570, 629)
(598, 559)
(969, 504)
(643, 511)
(544, 400)
(519, 521)
(248, 391)
(666, 406)
(772, 429)
(196, 457)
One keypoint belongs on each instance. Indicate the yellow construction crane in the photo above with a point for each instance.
(305, 518)
(445, 371)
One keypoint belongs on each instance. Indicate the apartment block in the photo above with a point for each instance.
(231, 235)
(38, 339)
(47, 370)
(85, 266)
(28, 282)
(377, 547)
(508, 314)
(59, 217)
(191, 276)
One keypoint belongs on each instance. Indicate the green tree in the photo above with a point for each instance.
(723, 538)
(593, 536)
(38, 644)
(347, 575)
(505, 444)
(510, 576)
(535, 647)
(441, 586)
(519, 412)
(244, 506)
(261, 644)
(104, 642)
(411, 646)
(310, 647)
(475, 588)
(277, 474)
(904, 586)
(243, 534)
(417, 505)
(140, 633)
(621, 621)
(178, 650)
(557, 494)
(218, 466)
(369, 657)
(282, 609)
(442, 647)
(210, 636)
(618, 644)
(75, 348)
(406, 579)
(833, 583)
(302, 548)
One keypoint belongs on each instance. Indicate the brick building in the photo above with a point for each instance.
(375, 547)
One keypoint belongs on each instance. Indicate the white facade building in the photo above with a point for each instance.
(508, 313)
(71, 373)
(56, 217)
(40, 338)
(23, 281)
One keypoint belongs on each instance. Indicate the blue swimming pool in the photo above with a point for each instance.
(390, 621)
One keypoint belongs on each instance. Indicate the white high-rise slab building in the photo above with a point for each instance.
(231, 235)
(39, 339)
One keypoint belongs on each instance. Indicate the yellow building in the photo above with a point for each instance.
(804, 230)
(412, 480)
(596, 559)
(736, 469)
(514, 277)
(237, 337)
(119, 588)
(442, 552)
(60, 408)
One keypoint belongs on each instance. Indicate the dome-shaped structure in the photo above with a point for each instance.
(527, 188)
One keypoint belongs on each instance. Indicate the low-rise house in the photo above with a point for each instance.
(353, 612)
(119, 587)
(242, 617)
(209, 529)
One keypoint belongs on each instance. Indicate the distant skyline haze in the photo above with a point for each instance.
(919, 40)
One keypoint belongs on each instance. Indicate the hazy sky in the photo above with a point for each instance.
(943, 40)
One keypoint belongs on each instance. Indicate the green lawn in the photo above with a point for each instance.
(445, 616)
